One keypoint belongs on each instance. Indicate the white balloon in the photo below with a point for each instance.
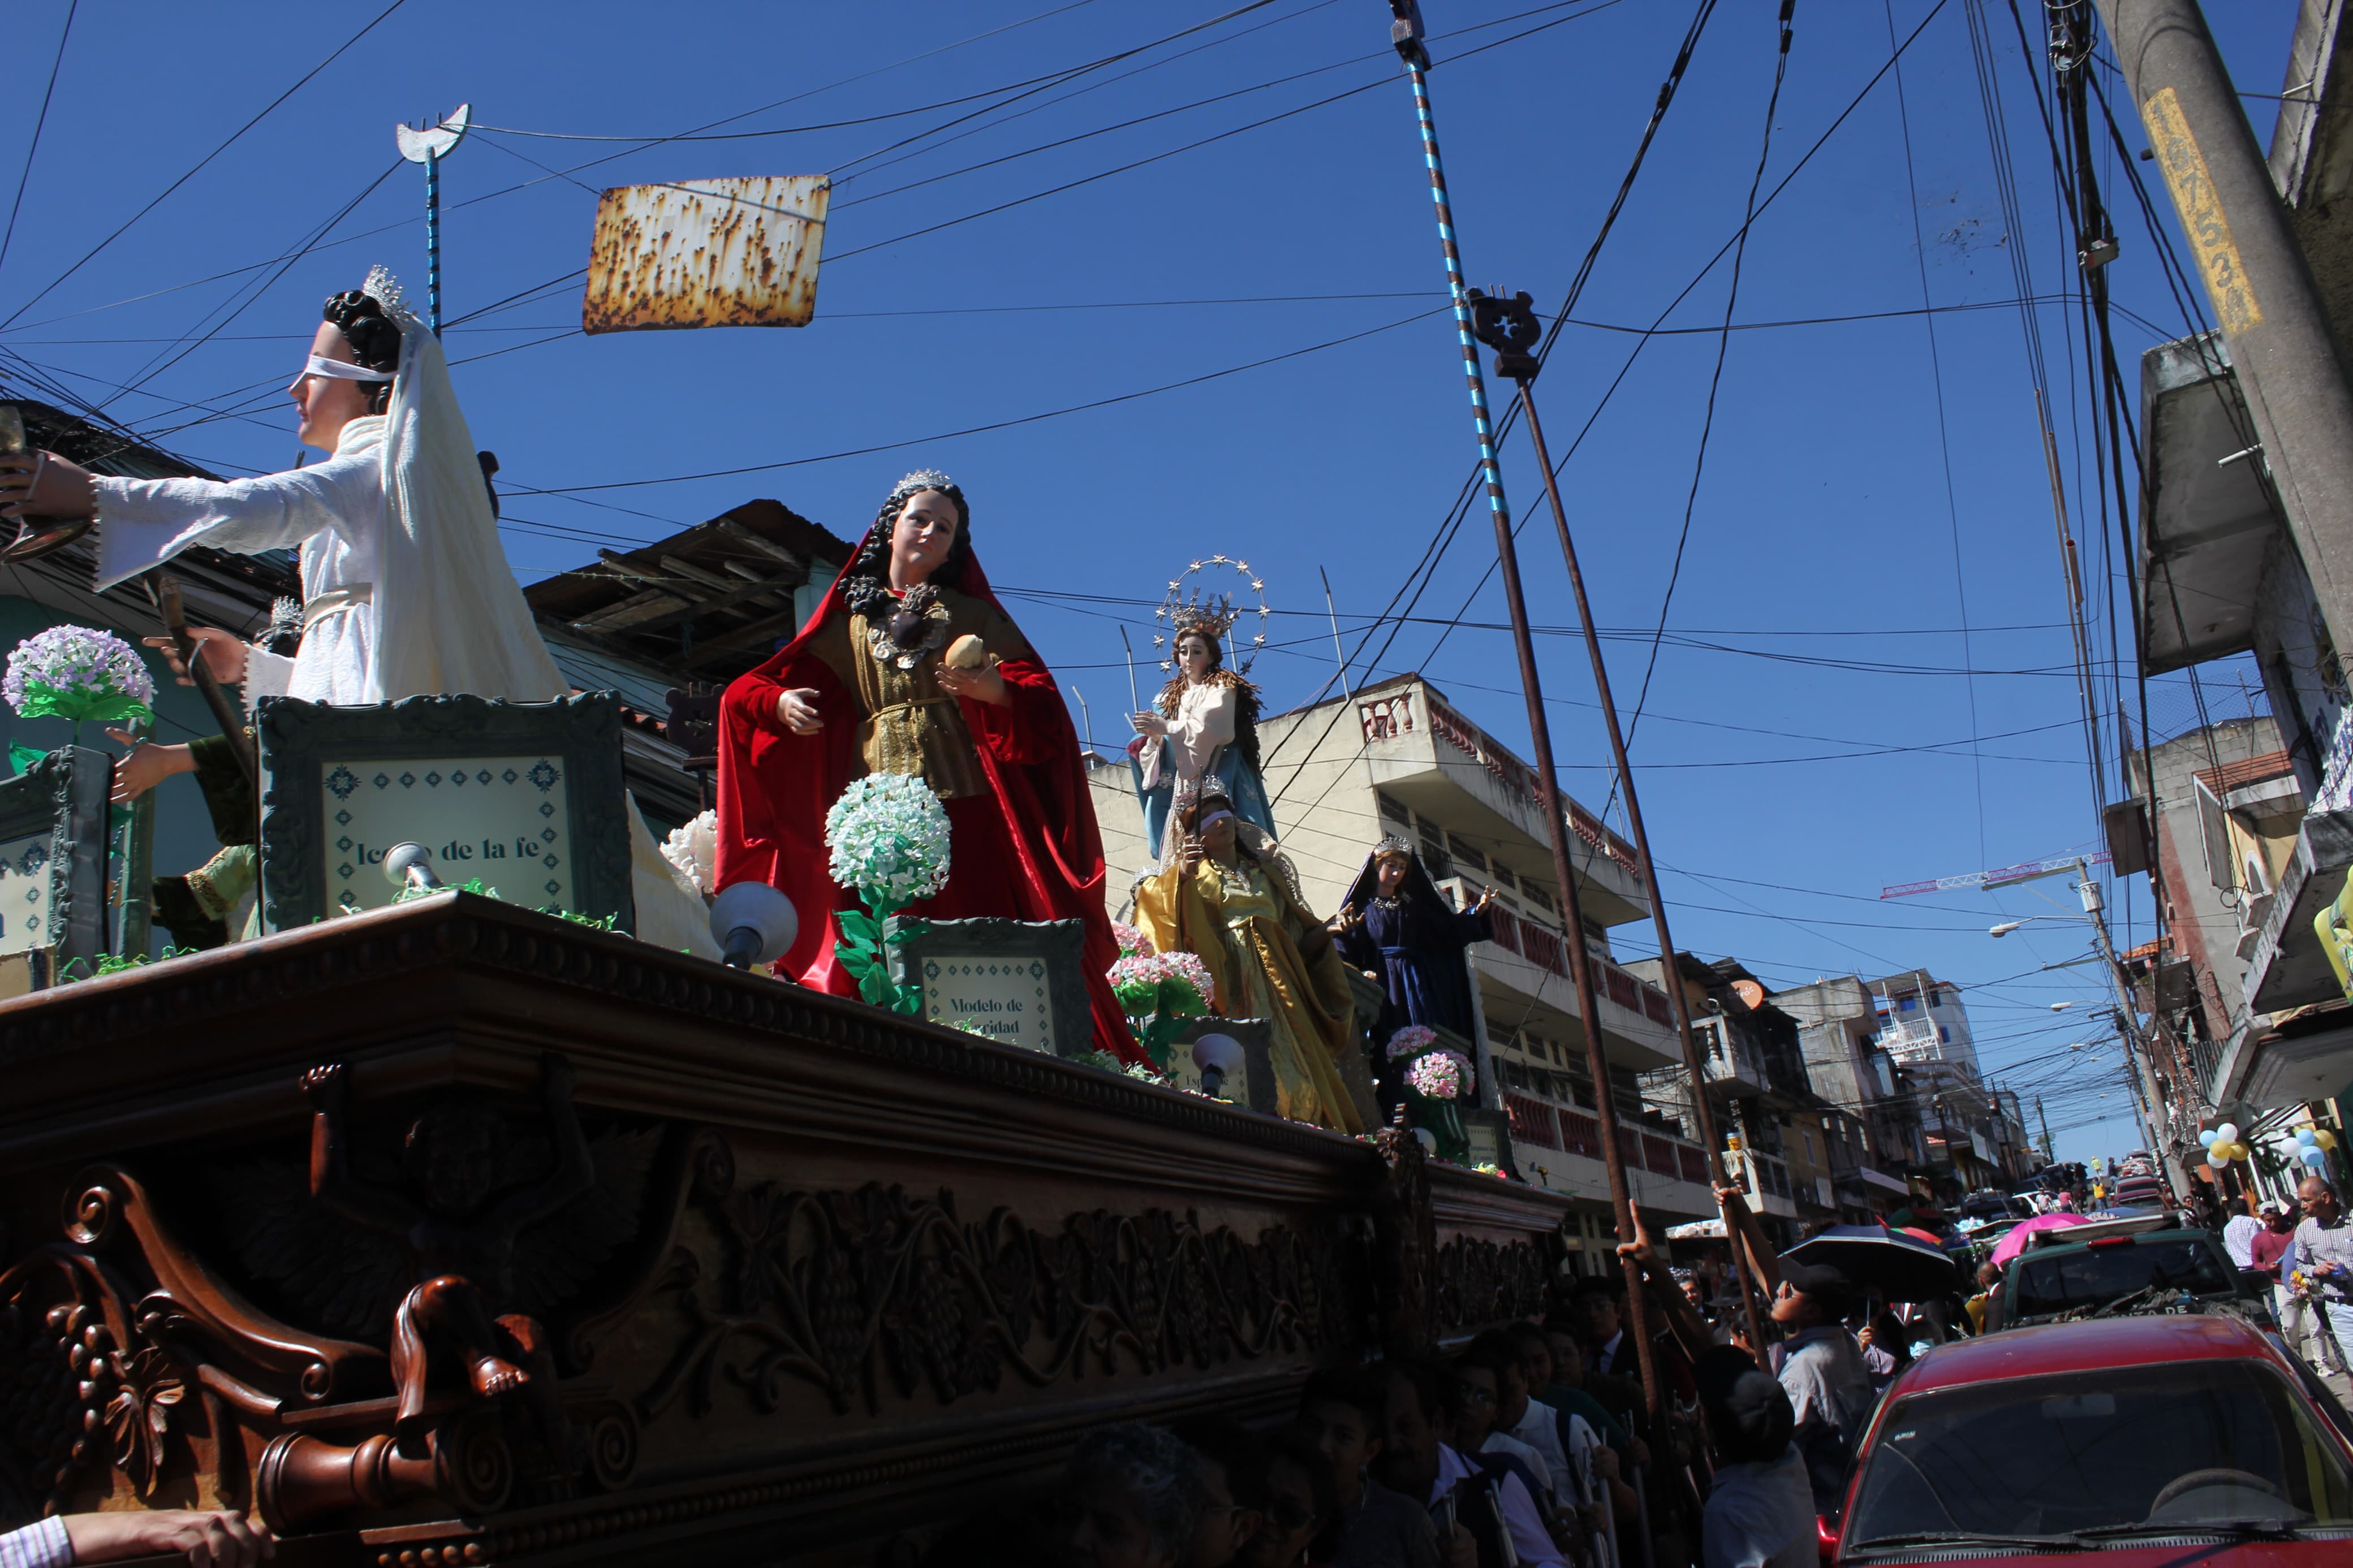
(2227, 1133)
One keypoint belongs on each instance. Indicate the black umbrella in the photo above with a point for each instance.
(1883, 1263)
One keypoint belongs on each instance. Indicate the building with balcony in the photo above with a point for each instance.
(1753, 1066)
(2220, 576)
(1398, 758)
(1852, 1075)
(1924, 1027)
(2231, 851)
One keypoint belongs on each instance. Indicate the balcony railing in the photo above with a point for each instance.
(1551, 1126)
(1518, 779)
(1387, 717)
(1544, 948)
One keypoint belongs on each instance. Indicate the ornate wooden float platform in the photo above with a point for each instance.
(830, 1277)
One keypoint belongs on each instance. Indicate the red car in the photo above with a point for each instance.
(2162, 1439)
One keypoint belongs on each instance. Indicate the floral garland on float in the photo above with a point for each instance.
(1436, 1082)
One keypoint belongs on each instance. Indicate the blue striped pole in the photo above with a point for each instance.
(1550, 801)
(433, 242)
(1472, 376)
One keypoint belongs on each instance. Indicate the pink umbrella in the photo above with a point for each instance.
(2013, 1241)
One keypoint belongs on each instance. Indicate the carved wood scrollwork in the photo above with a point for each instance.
(1405, 1245)
(1479, 1282)
(860, 1293)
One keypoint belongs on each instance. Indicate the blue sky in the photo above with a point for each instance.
(1811, 734)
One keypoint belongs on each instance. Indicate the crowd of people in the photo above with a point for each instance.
(1531, 1446)
(2301, 1252)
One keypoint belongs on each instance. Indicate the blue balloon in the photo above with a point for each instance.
(2304, 1136)
(2316, 1158)
(2205, 1139)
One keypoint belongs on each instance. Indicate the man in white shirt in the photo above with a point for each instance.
(1464, 1497)
(1759, 1510)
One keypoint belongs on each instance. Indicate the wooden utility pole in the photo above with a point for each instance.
(1509, 328)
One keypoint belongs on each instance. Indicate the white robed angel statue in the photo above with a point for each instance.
(406, 589)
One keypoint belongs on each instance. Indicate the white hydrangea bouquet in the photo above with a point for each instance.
(888, 838)
(77, 673)
(1157, 991)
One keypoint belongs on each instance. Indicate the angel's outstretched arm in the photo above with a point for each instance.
(331, 1178)
(575, 1168)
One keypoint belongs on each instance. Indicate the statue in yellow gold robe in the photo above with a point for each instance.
(1224, 896)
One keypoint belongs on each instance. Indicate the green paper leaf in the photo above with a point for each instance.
(874, 986)
(858, 958)
(909, 999)
(859, 926)
(906, 931)
(23, 757)
(42, 701)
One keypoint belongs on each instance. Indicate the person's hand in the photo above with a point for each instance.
(146, 765)
(1866, 1336)
(1642, 1249)
(206, 1540)
(1193, 852)
(1148, 724)
(42, 484)
(1347, 920)
(1642, 1452)
(1461, 1551)
(1371, 976)
(1486, 897)
(796, 710)
(980, 685)
(223, 653)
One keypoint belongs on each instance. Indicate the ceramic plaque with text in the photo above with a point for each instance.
(500, 819)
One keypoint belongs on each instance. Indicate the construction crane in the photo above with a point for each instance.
(2001, 877)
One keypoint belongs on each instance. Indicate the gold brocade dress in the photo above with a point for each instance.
(907, 722)
(1269, 958)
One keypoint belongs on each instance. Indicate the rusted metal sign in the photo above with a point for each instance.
(707, 253)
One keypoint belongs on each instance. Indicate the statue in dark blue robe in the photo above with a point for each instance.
(1399, 930)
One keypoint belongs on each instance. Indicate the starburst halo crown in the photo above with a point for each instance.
(923, 479)
(1184, 610)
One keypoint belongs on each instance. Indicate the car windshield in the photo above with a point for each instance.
(2098, 1275)
(2213, 1442)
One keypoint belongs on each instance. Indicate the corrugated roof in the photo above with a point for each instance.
(2254, 769)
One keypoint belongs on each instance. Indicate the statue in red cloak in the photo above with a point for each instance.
(864, 689)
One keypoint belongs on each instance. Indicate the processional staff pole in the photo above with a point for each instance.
(1405, 34)
(428, 145)
(1510, 329)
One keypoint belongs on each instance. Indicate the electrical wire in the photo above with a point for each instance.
(40, 123)
(201, 164)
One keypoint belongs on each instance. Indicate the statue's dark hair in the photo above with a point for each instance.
(374, 341)
(866, 582)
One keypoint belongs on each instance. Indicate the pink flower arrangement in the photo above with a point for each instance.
(1440, 1075)
(1159, 992)
(1411, 1041)
(1132, 942)
(1137, 978)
